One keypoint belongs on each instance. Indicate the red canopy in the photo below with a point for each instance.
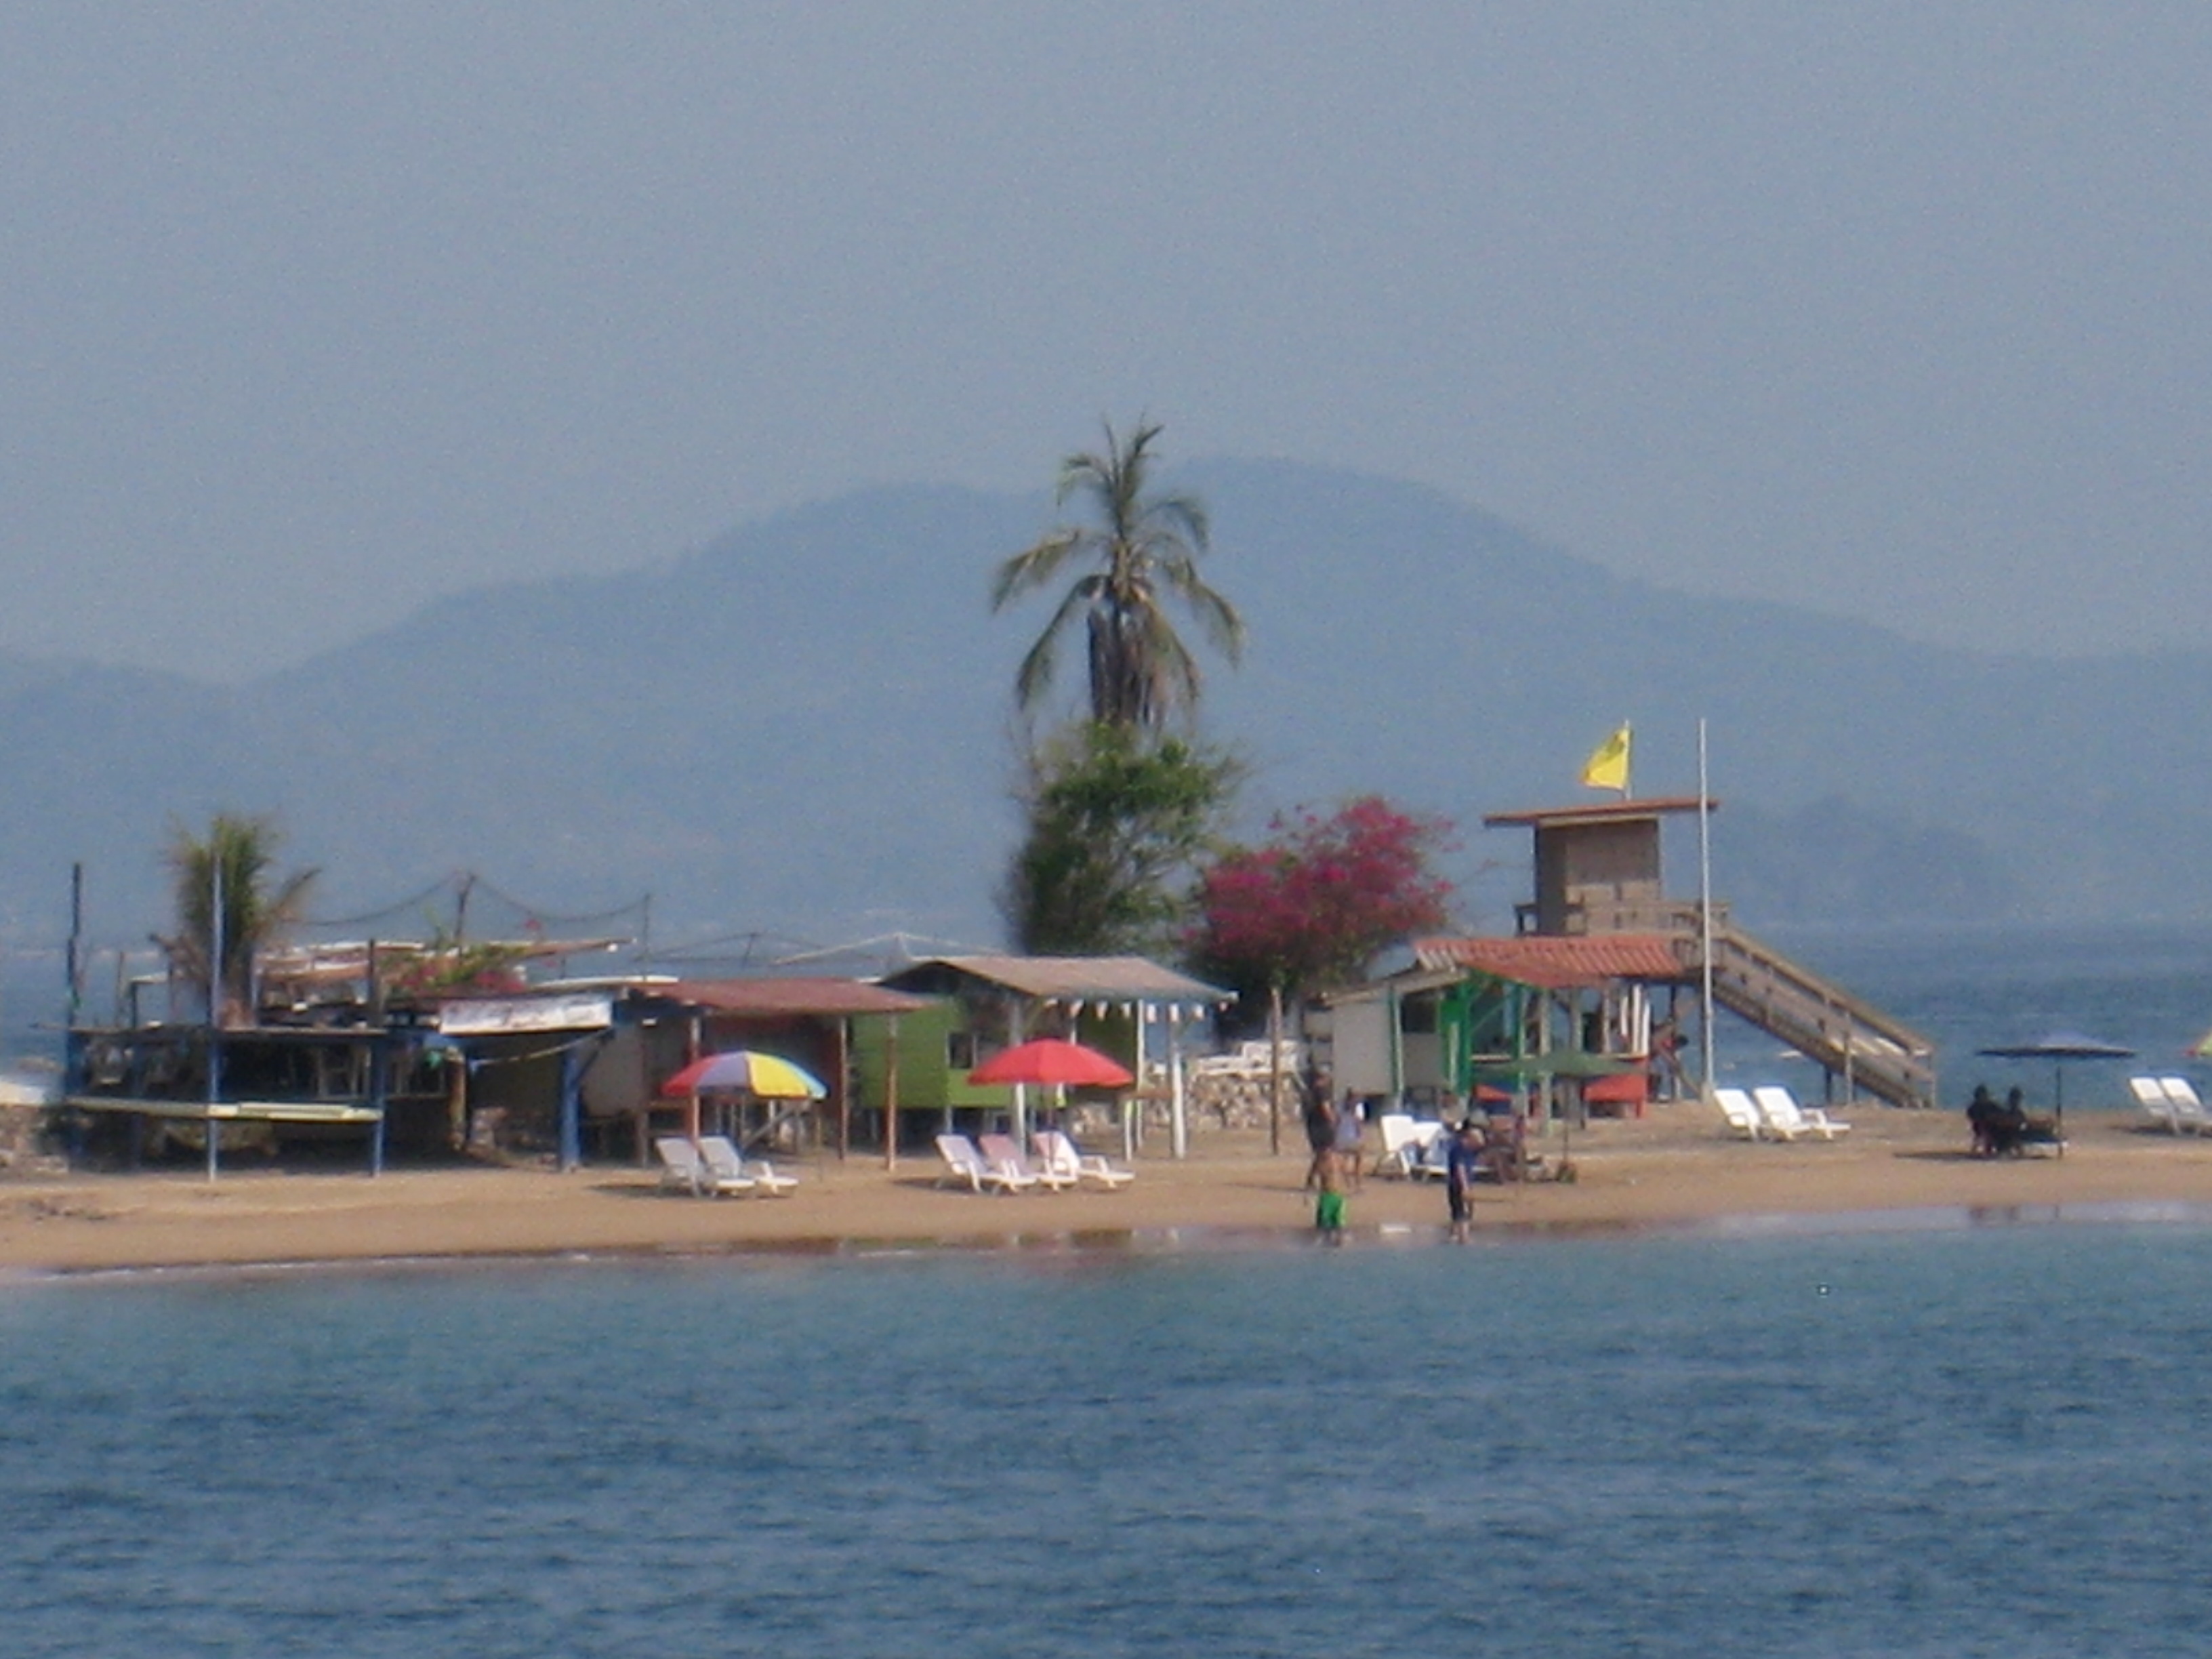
(1051, 1060)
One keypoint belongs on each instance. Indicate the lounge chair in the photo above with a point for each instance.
(1741, 1112)
(681, 1166)
(1060, 1157)
(1004, 1152)
(2150, 1095)
(2189, 1111)
(1786, 1118)
(1404, 1140)
(734, 1173)
(963, 1163)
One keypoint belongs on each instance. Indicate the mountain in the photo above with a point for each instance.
(803, 729)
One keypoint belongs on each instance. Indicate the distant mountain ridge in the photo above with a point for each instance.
(805, 728)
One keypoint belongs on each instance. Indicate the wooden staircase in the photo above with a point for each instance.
(1872, 1052)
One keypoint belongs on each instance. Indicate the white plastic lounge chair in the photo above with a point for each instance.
(1788, 1120)
(963, 1163)
(1004, 1153)
(2150, 1095)
(1741, 1112)
(734, 1173)
(1426, 1155)
(681, 1166)
(2189, 1112)
(1059, 1157)
(1401, 1145)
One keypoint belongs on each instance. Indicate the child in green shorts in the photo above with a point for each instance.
(1328, 1208)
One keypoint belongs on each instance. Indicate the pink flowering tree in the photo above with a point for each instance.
(1316, 905)
(1318, 902)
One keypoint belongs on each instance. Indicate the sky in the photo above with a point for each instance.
(310, 313)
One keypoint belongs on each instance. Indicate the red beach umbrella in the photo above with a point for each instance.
(1054, 1061)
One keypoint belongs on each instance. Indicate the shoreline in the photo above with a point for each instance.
(1671, 1171)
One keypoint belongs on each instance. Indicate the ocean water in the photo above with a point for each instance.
(1979, 1437)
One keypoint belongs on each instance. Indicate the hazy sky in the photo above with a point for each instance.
(309, 311)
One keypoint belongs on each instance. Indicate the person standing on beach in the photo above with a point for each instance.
(1349, 1125)
(1463, 1159)
(1328, 1208)
(1321, 1131)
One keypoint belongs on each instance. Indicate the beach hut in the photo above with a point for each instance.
(1144, 1014)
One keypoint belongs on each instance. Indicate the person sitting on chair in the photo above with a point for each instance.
(1982, 1115)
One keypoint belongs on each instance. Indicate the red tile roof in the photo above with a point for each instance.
(1558, 964)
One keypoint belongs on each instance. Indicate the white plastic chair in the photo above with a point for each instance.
(681, 1166)
(1742, 1115)
(1788, 1120)
(2189, 1111)
(734, 1173)
(2150, 1095)
(1059, 1157)
(1401, 1145)
(963, 1163)
(1004, 1153)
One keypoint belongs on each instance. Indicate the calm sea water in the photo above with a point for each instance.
(1954, 1441)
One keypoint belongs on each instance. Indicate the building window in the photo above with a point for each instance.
(960, 1050)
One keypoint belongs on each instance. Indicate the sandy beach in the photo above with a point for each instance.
(1673, 1167)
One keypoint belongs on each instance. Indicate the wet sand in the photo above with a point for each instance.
(1673, 1167)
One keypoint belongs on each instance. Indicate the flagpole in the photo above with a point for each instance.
(1705, 907)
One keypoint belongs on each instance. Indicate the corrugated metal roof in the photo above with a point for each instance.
(793, 997)
(1072, 978)
(1597, 811)
(1558, 964)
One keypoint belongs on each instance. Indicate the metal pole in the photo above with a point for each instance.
(214, 995)
(1705, 910)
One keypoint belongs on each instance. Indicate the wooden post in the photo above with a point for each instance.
(844, 1088)
(1275, 1068)
(890, 1092)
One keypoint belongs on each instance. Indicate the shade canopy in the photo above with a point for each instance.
(1565, 1062)
(2060, 1045)
(1052, 1060)
(2058, 1048)
(746, 1070)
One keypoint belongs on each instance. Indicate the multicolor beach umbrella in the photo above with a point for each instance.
(769, 1076)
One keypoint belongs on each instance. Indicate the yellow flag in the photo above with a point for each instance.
(1607, 768)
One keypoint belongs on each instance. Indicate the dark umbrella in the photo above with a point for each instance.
(2058, 1048)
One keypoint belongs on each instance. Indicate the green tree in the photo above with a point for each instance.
(238, 854)
(1118, 825)
(1143, 551)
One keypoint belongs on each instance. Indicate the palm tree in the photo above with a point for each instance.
(1144, 549)
(235, 856)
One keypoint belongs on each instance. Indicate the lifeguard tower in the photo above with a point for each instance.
(1598, 873)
